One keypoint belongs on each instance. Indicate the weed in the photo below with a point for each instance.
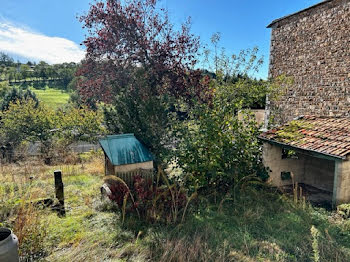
(315, 236)
(30, 230)
(344, 210)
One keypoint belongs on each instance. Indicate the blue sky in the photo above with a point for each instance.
(48, 29)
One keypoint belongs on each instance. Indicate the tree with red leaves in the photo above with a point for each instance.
(140, 65)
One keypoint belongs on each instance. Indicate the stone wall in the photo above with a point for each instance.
(313, 48)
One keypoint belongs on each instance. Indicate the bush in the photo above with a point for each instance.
(165, 203)
(79, 124)
(344, 210)
(13, 95)
(216, 150)
(91, 155)
(31, 122)
(27, 122)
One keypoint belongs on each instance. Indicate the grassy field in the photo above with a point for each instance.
(260, 225)
(52, 97)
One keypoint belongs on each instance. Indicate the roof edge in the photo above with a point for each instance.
(299, 148)
(106, 137)
(298, 12)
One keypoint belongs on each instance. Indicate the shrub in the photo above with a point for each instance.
(15, 94)
(79, 124)
(216, 149)
(32, 122)
(27, 122)
(344, 210)
(91, 155)
(150, 201)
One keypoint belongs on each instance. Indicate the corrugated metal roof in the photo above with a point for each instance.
(324, 135)
(125, 149)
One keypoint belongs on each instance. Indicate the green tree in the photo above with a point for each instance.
(25, 71)
(79, 124)
(4, 89)
(215, 148)
(41, 70)
(6, 59)
(27, 122)
(16, 94)
(11, 73)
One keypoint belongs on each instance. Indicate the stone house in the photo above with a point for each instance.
(312, 47)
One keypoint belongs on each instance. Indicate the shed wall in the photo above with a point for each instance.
(272, 158)
(306, 169)
(131, 167)
(319, 173)
(343, 182)
(109, 168)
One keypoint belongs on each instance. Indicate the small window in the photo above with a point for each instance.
(289, 154)
(286, 175)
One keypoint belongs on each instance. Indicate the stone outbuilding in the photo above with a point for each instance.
(311, 48)
(311, 150)
(124, 154)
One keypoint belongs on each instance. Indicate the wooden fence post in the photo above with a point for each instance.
(59, 192)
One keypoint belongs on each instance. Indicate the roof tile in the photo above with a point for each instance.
(325, 135)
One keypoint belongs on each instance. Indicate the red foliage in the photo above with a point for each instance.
(145, 193)
(135, 40)
(118, 192)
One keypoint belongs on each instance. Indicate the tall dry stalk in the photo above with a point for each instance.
(175, 192)
(298, 197)
(29, 229)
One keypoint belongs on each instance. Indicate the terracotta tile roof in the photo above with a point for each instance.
(324, 135)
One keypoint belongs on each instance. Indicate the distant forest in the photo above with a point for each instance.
(63, 76)
(37, 75)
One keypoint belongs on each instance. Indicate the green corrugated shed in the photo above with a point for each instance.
(125, 149)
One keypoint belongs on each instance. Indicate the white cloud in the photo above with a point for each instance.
(36, 46)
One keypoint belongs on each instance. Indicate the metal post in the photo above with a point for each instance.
(59, 192)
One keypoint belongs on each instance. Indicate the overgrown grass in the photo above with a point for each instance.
(52, 97)
(260, 225)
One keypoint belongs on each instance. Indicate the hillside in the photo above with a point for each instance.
(52, 97)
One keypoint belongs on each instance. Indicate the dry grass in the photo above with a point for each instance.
(30, 230)
(258, 226)
(25, 183)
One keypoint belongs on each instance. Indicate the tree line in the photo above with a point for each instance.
(16, 72)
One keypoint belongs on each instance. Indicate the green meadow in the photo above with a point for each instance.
(51, 96)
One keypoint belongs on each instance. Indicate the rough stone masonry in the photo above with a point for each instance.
(312, 47)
